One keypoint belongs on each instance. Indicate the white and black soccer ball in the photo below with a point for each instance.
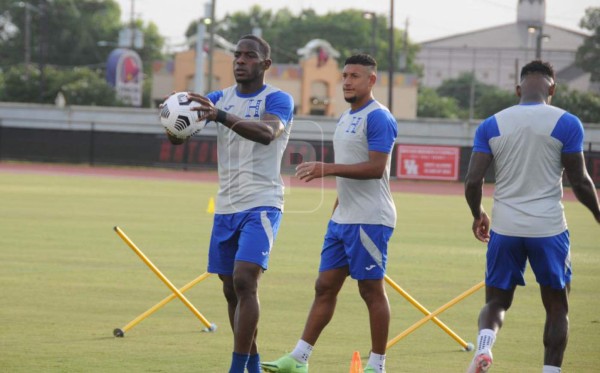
(177, 117)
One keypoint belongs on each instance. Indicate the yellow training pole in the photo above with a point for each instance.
(165, 280)
(435, 313)
(425, 311)
(120, 332)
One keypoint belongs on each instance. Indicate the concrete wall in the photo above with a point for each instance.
(134, 137)
(133, 120)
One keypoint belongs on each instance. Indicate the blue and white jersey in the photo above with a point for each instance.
(249, 172)
(527, 142)
(370, 128)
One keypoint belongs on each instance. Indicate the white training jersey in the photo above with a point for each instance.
(526, 142)
(370, 128)
(249, 172)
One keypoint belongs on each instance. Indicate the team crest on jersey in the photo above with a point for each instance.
(253, 108)
(354, 124)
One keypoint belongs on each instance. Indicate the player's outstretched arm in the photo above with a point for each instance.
(581, 182)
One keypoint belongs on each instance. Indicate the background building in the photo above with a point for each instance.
(315, 82)
(495, 55)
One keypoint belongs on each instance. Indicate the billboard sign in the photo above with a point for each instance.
(124, 72)
(423, 162)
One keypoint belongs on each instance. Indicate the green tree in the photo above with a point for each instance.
(22, 84)
(460, 89)
(487, 99)
(588, 54)
(88, 87)
(80, 86)
(432, 105)
(2, 85)
(64, 34)
(348, 32)
(586, 105)
(492, 101)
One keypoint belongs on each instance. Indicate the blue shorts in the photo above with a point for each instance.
(246, 236)
(549, 257)
(361, 247)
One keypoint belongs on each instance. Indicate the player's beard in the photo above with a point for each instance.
(351, 100)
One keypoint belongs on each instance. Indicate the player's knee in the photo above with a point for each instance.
(325, 289)
(244, 284)
(499, 304)
(371, 291)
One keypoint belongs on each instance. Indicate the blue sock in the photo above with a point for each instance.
(238, 363)
(254, 364)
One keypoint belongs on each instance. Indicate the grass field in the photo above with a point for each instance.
(68, 280)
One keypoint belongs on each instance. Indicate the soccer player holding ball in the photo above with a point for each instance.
(254, 121)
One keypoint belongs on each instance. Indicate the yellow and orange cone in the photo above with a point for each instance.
(356, 364)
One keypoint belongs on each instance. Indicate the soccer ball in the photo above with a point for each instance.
(177, 117)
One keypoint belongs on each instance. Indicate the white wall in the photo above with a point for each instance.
(82, 118)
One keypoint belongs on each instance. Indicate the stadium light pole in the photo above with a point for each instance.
(43, 46)
(538, 43)
(539, 38)
(27, 32)
(211, 44)
(373, 17)
(199, 73)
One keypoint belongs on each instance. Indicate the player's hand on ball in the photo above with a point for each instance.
(165, 99)
(179, 119)
(206, 110)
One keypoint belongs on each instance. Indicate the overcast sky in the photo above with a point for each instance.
(428, 19)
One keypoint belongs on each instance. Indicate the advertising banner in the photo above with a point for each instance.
(124, 72)
(427, 162)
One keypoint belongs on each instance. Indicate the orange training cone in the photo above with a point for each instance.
(356, 365)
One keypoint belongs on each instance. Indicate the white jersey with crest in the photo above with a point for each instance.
(370, 128)
(249, 172)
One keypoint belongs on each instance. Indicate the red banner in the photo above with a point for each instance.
(427, 162)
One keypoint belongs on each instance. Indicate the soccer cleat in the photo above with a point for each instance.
(285, 364)
(370, 369)
(481, 363)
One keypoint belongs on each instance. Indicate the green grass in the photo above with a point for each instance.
(68, 280)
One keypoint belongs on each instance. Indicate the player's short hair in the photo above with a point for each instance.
(361, 59)
(538, 67)
(263, 46)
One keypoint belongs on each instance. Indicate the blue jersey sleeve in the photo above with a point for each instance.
(569, 131)
(484, 133)
(280, 104)
(215, 96)
(382, 130)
